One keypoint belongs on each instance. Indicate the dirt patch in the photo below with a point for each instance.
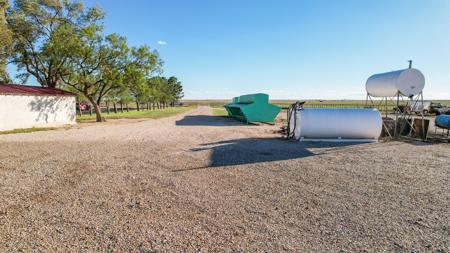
(199, 183)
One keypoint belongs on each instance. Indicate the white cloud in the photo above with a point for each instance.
(160, 42)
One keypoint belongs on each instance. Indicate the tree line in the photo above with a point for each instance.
(62, 43)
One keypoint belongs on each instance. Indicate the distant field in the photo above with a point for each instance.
(218, 102)
(220, 111)
(285, 103)
(212, 103)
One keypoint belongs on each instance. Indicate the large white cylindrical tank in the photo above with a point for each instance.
(408, 82)
(337, 124)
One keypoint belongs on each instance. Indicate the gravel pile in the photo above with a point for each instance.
(199, 183)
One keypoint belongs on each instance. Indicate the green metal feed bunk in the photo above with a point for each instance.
(253, 108)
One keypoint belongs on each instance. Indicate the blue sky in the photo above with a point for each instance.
(289, 49)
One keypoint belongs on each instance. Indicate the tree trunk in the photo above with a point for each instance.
(128, 108)
(148, 106)
(137, 106)
(79, 109)
(121, 107)
(115, 107)
(98, 113)
(107, 107)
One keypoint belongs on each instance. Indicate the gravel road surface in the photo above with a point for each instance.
(199, 183)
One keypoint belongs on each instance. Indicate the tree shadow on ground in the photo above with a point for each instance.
(258, 150)
(206, 120)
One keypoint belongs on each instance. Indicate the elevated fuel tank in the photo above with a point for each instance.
(407, 82)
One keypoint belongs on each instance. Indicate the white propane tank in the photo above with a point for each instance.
(337, 124)
(409, 82)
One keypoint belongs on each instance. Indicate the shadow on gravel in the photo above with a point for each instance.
(257, 150)
(206, 120)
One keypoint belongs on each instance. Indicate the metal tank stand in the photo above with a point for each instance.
(404, 116)
(379, 104)
(407, 115)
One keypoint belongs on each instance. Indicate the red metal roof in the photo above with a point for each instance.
(15, 89)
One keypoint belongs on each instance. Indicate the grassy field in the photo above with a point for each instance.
(220, 111)
(153, 114)
(309, 103)
(27, 130)
(217, 102)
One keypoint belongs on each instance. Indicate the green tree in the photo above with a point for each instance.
(156, 85)
(175, 89)
(43, 36)
(142, 64)
(135, 82)
(6, 42)
(97, 66)
(124, 98)
(165, 90)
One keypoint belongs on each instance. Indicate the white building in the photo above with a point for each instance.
(29, 106)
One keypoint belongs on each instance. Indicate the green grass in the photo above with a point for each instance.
(220, 111)
(444, 102)
(27, 130)
(309, 103)
(210, 102)
(152, 114)
(286, 102)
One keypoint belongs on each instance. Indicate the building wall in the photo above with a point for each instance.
(19, 111)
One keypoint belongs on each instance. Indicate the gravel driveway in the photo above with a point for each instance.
(199, 183)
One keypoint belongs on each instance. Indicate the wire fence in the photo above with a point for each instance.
(381, 107)
(307, 105)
